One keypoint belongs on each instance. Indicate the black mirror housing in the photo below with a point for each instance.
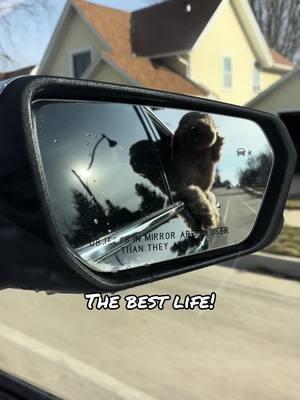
(31, 214)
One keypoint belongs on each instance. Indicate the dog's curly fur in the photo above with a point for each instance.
(189, 162)
(196, 149)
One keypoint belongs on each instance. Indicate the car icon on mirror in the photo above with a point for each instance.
(241, 152)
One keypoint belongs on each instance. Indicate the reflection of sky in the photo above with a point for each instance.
(67, 134)
(238, 133)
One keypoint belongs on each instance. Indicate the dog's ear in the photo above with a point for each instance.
(177, 140)
(216, 148)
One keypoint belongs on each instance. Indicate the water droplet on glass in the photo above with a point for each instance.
(109, 231)
(87, 143)
(88, 134)
(90, 154)
(96, 221)
(56, 140)
(95, 134)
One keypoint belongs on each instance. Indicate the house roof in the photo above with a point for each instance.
(114, 27)
(280, 59)
(17, 72)
(154, 28)
(276, 87)
(152, 36)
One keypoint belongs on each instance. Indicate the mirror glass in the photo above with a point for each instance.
(134, 185)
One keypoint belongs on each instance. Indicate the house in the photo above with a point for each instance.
(218, 45)
(283, 95)
(94, 42)
(208, 48)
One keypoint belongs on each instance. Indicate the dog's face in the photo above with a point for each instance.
(196, 131)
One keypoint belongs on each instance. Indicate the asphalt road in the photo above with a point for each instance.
(238, 212)
(247, 347)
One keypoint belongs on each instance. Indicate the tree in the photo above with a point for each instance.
(257, 171)
(90, 220)
(9, 9)
(151, 200)
(279, 21)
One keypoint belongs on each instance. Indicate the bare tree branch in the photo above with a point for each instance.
(9, 9)
(279, 21)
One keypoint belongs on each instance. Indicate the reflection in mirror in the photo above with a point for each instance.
(133, 185)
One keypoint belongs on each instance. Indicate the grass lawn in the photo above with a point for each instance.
(293, 204)
(287, 243)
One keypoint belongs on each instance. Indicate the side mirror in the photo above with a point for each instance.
(136, 185)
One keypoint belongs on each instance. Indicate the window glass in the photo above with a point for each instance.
(80, 62)
(92, 155)
(227, 72)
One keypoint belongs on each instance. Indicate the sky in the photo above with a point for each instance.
(238, 133)
(66, 143)
(28, 36)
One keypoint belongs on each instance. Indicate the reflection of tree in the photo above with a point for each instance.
(118, 216)
(257, 170)
(151, 201)
(89, 218)
(218, 181)
(93, 221)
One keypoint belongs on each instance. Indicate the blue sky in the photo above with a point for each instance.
(237, 132)
(29, 36)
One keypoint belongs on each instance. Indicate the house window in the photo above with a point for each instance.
(256, 79)
(80, 62)
(227, 72)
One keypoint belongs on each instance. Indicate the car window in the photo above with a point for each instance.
(86, 148)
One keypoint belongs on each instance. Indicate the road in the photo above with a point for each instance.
(247, 347)
(238, 212)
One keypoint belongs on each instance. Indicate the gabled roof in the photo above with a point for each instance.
(275, 88)
(114, 27)
(155, 28)
(280, 59)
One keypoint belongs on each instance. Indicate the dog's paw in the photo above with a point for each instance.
(209, 221)
(206, 219)
(213, 211)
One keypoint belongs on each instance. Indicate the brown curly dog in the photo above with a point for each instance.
(196, 149)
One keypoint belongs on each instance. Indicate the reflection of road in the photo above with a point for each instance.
(238, 212)
(247, 347)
